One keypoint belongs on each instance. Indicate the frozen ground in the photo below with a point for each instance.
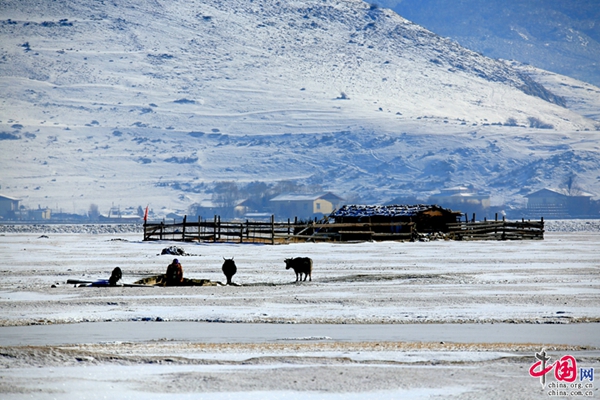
(379, 320)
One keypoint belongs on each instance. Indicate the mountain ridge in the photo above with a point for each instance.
(158, 100)
(563, 37)
(133, 63)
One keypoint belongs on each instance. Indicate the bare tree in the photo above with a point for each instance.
(93, 212)
(571, 186)
(225, 196)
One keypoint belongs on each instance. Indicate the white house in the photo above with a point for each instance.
(292, 205)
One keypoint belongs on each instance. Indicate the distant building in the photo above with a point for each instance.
(69, 217)
(557, 203)
(304, 205)
(40, 214)
(205, 209)
(8, 207)
(463, 198)
(249, 209)
(116, 216)
(11, 210)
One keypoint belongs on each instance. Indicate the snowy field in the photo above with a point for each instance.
(421, 320)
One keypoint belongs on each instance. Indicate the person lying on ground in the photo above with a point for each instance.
(115, 277)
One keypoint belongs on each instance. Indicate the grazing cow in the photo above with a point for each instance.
(116, 275)
(300, 265)
(229, 269)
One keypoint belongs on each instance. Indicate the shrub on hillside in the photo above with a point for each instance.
(537, 123)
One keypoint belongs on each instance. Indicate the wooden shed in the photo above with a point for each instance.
(427, 218)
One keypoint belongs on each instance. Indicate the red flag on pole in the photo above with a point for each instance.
(146, 214)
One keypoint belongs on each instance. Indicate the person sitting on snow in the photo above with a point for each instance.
(115, 277)
(174, 276)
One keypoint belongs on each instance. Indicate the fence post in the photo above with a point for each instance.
(272, 229)
(215, 229)
(183, 229)
(496, 227)
(162, 227)
(199, 226)
(295, 226)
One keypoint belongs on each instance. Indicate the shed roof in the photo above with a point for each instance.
(3, 197)
(305, 197)
(556, 193)
(457, 189)
(382, 211)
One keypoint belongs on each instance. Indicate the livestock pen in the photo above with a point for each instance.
(497, 230)
(332, 230)
(272, 232)
(218, 231)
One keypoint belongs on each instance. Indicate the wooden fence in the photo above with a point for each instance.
(497, 230)
(272, 232)
(276, 232)
(217, 231)
(358, 231)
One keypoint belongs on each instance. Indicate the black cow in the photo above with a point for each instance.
(300, 265)
(229, 269)
(116, 275)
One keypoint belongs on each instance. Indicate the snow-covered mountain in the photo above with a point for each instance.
(136, 103)
(556, 35)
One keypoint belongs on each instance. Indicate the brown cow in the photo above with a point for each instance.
(300, 265)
